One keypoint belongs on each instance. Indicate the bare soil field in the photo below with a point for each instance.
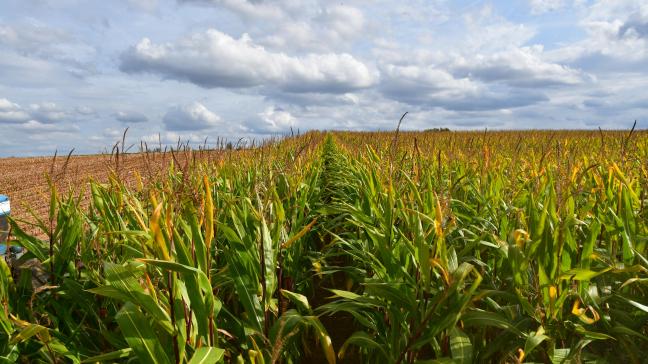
(25, 180)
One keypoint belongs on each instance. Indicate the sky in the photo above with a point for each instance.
(76, 74)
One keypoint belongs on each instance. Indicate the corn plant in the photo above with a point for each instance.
(407, 247)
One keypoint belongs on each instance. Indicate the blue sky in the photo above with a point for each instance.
(75, 74)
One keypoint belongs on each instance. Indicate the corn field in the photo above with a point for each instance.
(405, 247)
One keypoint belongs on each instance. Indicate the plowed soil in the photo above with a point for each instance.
(25, 180)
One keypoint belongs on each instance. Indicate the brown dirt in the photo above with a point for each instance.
(25, 180)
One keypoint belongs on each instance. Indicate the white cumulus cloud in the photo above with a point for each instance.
(193, 116)
(11, 113)
(214, 59)
(131, 117)
(271, 120)
(524, 67)
(45, 113)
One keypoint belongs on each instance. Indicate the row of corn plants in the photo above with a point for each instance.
(431, 247)
(203, 266)
(494, 259)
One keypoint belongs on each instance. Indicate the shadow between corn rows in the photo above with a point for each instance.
(336, 187)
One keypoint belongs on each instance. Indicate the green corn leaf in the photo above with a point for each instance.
(345, 294)
(31, 243)
(636, 304)
(579, 274)
(624, 330)
(199, 291)
(140, 336)
(592, 335)
(362, 339)
(560, 356)
(588, 245)
(460, 346)
(270, 261)
(484, 318)
(298, 299)
(28, 332)
(207, 355)
(109, 291)
(114, 355)
(126, 281)
(324, 338)
(533, 340)
(246, 294)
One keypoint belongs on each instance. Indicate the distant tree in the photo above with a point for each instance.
(436, 130)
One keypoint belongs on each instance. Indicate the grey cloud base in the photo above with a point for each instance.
(194, 116)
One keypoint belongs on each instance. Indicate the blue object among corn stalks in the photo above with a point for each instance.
(5, 210)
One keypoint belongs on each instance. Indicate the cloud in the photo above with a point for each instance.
(47, 112)
(38, 55)
(252, 10)
(331, 29)
(485, 31)
(27, 72)
(108, 135)
(306, 100)
(214, 59)
(488, 66)
(43, 113)
(11, 113)
(616, 38)
(36, 126)
(31, 37)
(194, 116)
(38, 41)
(309, 25)
(522, 67)
(173, 138)
(635, 26)
(131, 117)
(273, 64)
(343, 20)
(146, 5)
(429, 86)
(272, 120)
(492, 100)
(85, 110)
(413, 84)
(544, 6)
